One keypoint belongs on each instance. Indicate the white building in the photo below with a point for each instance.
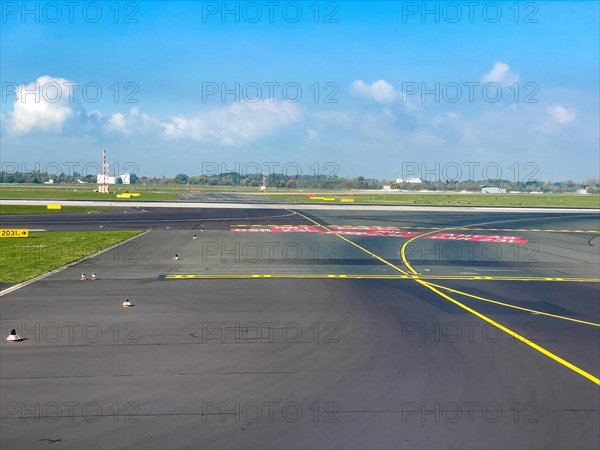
(125, 178)
(409, 180)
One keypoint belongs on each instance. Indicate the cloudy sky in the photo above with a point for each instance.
(378, 89)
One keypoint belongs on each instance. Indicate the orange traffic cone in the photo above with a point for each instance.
(13, 336)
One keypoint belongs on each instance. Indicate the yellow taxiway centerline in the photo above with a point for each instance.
(379, 277)
(352, 243)
(434, 289)
(533, 345)
(533, 311)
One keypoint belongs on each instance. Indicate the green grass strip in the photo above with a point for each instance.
(24, 258)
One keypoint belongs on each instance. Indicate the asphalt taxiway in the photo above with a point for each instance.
(294, 332)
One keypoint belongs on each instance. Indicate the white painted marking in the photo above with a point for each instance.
(495, 270)
(308, 206)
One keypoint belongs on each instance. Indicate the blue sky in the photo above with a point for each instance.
(353, 73)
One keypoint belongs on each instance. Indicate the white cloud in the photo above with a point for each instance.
(379, 91)
(560, 114)
(442, 119)
(500, 74)
(237, 124)
(44, 105)
(118, 124)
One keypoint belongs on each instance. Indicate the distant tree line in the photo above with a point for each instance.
(282, 181)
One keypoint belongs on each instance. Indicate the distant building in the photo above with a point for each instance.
(409, 180)
(125, 178)
(582, 191)
(387, 188)
(493, 190)
(50, 181)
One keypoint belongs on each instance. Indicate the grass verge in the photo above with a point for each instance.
(35, 209)
(86, 193)
(24, 258)
(543, 200)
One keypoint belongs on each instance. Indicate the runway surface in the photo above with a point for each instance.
(293, 329)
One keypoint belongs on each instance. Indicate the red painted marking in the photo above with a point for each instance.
(382, 231)
(479, 238)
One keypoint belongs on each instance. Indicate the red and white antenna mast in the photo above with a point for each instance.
(104, 173)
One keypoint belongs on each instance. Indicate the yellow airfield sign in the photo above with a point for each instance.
(13, 233)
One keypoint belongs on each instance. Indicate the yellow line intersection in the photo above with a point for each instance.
(421, 279)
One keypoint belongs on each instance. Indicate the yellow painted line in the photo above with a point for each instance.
(461, 305)
(403, 248)
(352, 243)
(533, 345)
(514, 306)
(384, 277)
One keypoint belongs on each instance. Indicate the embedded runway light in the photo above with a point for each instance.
(13, 336)
(176, 257)
(83, 277)
(127, 303)
(195, 237)
(93, 276)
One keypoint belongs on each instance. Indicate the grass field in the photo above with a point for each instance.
(173, 193)
(35, 209)
(459, 199)
(24, 258)
(73, 192)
